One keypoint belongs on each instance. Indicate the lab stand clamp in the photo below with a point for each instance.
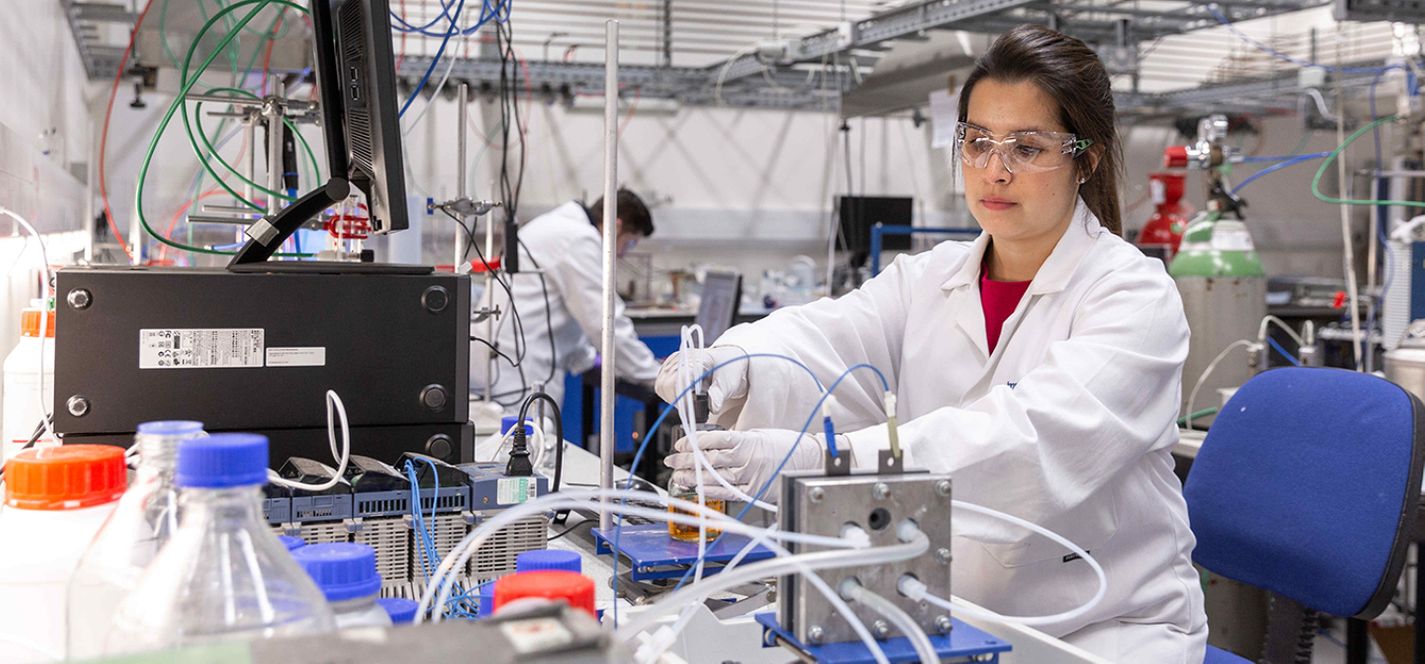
(883, 505)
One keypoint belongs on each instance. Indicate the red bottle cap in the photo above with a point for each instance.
(1175, 157)
(65, 477)
(575, 589)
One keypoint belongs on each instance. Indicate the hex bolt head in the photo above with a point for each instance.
(78, 406)
(79, 298)
(880, 629)
(817, 494)
(815, 634)
(942, 488)
(881, 491)
(942, 555)
(942, 624)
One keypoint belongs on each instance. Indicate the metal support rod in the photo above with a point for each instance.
(461, 151)
(251, 122)
(273, 112)
(610, 231)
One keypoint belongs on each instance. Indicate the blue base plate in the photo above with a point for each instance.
(964, 643)
(654, 555)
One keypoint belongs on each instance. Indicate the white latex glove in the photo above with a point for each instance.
(745, 459)
(728, 386)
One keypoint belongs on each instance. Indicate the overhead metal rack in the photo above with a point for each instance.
(811, 72)
(86, 22)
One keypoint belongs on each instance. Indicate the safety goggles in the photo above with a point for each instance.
(1020, 151)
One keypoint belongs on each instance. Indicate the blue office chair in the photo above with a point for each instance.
(1307, 486)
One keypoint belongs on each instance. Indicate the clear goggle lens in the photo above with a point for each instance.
(1021, 151)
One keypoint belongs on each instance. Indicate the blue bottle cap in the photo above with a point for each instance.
(508, 423)
(401, 610)
(343, 570)
(548, 559)
(487, 599)
(171, 428)
(292, 543)
(222, 460)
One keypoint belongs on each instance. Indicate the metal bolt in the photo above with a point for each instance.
(78, 406)
(942, 624)
(815, 634)
(79, 298)
(880, 491)
(817, 494)
(880, 629)
(942, 555)
(943, 488)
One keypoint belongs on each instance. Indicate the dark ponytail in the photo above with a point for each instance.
(1070, 72)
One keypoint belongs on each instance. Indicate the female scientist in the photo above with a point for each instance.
(1039, 365)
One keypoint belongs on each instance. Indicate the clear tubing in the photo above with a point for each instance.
(873, 646)
(464, 549)
(899, 619)
(1273, 320)
(800, 562)
(914, 589)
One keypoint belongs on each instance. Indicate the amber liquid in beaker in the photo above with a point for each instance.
(689, 533)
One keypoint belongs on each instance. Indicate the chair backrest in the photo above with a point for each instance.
(1307, 485)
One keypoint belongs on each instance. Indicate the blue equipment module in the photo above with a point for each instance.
(963, 644)
(653, 555)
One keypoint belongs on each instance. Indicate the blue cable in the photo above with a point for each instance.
(1272, 169)
(830, 430)
(486, 14)
(638, 455)
(1285, 157)
(1227, 23)
(425, 78)
(1278, 348)
(802, 434)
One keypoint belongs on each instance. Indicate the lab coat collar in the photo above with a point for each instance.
(1054, 274)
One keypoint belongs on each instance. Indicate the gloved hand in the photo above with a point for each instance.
(746, 459)
(728, 386)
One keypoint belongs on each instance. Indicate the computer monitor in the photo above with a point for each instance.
(722, 293)
(858, 214)
(356, 81)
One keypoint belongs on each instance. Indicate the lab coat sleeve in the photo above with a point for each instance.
(1101, 400)
(865, 326)
(580, 280)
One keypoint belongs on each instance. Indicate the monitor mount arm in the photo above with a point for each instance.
(268, 233)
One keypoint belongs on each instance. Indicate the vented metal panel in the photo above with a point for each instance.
(323, 533)
(496, 556)
(358, 114)
(391, 538)
(447, 531)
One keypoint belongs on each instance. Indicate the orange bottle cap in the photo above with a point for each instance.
(30, 323)
(65, 477)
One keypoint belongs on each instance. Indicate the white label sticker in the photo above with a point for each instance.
(1230, 239)
(297, 356)
(217, 348)
(536, 635)
(516, 490)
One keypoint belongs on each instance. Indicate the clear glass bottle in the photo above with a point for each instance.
(346, 573)
(689, 533)
(223, 575)
(129, 540)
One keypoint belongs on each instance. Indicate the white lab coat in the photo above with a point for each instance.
(568, 250)
(1069, 423)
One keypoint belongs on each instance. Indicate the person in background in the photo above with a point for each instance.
(558, 305)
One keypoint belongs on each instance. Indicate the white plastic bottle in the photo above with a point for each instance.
(346, 573)
(56, 498)
(22, 410)
(145, 519)
(223, 575)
